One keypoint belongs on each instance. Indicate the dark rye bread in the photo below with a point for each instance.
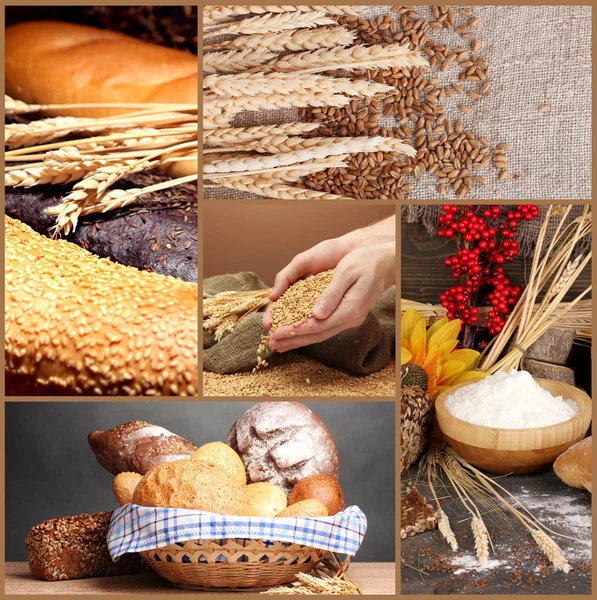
(283, 442)
(157, 233)
(76, 548)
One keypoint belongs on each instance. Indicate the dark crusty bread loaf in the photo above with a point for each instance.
(51, 62)
(137, 447)
(283, 442)
(75, 548)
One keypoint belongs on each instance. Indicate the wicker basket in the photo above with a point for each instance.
(232, 562)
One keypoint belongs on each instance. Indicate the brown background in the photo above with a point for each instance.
(264, 237)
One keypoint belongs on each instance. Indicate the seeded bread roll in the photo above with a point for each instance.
(574, 467)
(76, 548)
(78, 324)
(193, 484)
(283, 442)
(137, 447)
(51, 62)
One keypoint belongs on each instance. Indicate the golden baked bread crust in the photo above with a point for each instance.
(224, 456)
(321, 487)
(264, 499)
(124, 486)
(305, 508)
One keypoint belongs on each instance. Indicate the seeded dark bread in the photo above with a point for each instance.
(76, 548)
(137, 447)
(283, 442)
(52, 62)
(85, 325)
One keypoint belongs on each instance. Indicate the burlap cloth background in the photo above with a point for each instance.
(359, 351)
(537, 55)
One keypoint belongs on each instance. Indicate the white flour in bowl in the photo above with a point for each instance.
(511, 400)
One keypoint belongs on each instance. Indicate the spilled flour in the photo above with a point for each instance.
(469, 563)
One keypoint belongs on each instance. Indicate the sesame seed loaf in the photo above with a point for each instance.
(283, 442)
(84, 325)
(75, 548)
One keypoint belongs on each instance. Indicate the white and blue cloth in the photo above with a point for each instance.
(136, 528)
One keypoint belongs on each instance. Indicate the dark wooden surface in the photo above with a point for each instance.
(517, 566)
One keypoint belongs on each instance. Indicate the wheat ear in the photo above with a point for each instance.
(443, 524)
(235, 60)
(348, 59)
(232, 106)
(481, 537)
(270, 23)
(235, 86)
(273, 188)
(551, 550)
(294, 40)
(219, 137)
(274, 144)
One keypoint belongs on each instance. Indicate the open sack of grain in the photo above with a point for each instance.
(360, 351)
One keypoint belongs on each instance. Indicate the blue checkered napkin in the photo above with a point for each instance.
(135, 528)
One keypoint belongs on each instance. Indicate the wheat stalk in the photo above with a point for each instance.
(274, 188)
(275, 144)
(565, 277)
(270, 23)
(294, 40)
(348, 59)
(15, 107)
(215, 14)
(242, 85)
(220, 137)
(551, 550)
(481, 537)
(17, 135)
(235, 60)
(443, 524)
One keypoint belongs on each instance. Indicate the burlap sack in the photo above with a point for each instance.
(359, 351)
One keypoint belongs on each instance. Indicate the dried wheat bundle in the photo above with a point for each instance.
(270, 23)
(234, 61)
(239, 135)
(348, 59)
(248, 84)
(294, 40)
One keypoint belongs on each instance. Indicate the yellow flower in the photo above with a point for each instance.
(433, 350)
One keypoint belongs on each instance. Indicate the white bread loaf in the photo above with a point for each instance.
(574, 466)
(50, 62)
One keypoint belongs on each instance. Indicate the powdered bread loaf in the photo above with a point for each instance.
(305, 508)
(283, 442)
(194, 484)
(264, 499)
(137, 446)
(224, 456)
(574, 467)
(124, 486)
(324, 488)
(50, 62)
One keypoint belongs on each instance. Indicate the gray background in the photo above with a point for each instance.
(51, 472)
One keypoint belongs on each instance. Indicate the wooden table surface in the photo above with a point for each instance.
(373, 578)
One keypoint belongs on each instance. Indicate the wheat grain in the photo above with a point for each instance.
(235, 60)
(551, 550)
(295, 40)
(270, 23)
(274, 144)
(219, 137)
(348, 59)
(241, 85)
(274, 188)
(443, 524)
(481, 537)
(232, 106)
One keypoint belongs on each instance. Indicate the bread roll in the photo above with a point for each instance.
(321, 487)
(194, 484)
(78, 324)
(283, 442)
(574, 467)
(305, 508)
(264, 499)
(124, 485)
(224, 456)
(50, 62)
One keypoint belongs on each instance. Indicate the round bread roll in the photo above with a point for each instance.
(305, 508)
(264, 499)
(320, 487)
(283, 442)
(224, 456)
(124, 486)
(195, 484)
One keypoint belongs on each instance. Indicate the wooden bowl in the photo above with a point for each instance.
(515, 450)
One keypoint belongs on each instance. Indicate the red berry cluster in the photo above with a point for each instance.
(486, 241)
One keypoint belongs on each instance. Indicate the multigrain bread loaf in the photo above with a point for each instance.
(193, 484)
(51, 62)
(74, 548)
(283, 442)
(137, 446)
(324, 488)
(574, 467)
(78, 324)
